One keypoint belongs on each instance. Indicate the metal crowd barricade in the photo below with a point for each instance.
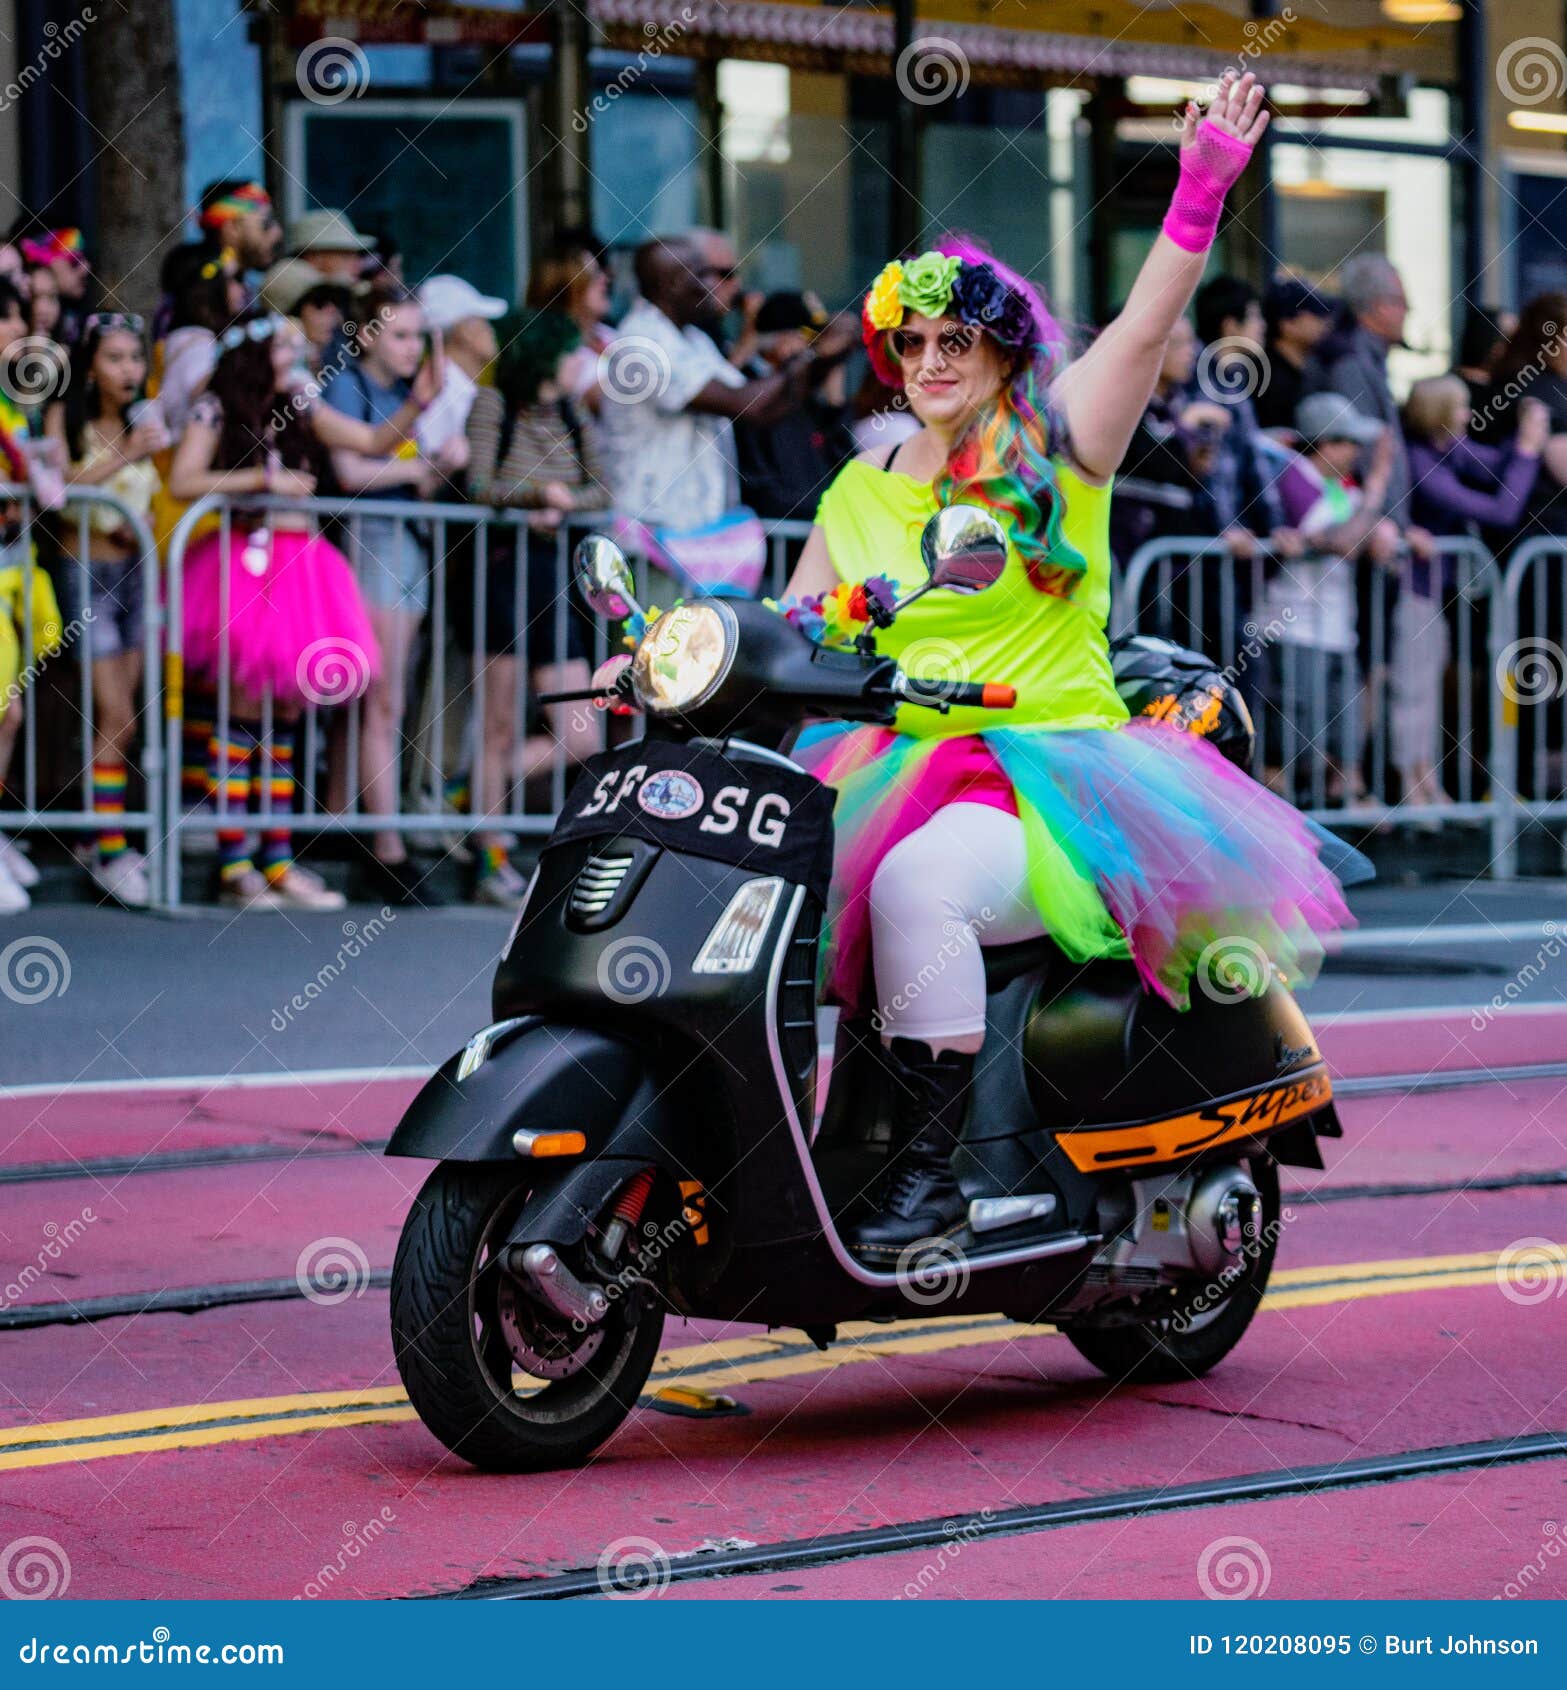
(1424, 642)
(1530, 681)
(446, 693)
(47, 811)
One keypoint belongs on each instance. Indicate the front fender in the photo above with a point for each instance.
(529, 1073)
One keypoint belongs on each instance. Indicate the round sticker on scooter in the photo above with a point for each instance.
(671, 795)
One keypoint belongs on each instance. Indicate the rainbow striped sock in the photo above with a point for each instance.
(196, 735)
(108, 801)
(228, 785)
(274, 780)
(494, 860)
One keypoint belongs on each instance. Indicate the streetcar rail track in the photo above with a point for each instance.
(802, 1554)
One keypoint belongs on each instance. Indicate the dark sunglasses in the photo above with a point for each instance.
(954, 341)
(719, 272)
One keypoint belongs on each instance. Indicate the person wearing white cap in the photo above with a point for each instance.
(464, 320)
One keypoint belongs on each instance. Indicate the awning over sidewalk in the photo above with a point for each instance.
(1067, 40)
(1064, 41)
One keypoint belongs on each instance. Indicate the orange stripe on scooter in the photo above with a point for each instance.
(1095, 1148)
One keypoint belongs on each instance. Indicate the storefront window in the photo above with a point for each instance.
(645, 164)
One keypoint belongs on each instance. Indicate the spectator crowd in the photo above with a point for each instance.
(285, 365)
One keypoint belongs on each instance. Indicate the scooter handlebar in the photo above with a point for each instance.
(974, 695)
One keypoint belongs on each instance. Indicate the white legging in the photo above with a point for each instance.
(956, 883)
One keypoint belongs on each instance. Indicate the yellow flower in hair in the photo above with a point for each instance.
(883, 307)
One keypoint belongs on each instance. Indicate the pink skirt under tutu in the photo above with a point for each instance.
(300, 627)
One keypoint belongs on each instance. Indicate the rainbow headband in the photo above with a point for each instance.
(251, 197)
(937, 284)
(56, 243)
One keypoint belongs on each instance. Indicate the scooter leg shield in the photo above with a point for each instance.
(526, 1074)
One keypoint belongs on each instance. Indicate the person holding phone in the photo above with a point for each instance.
(110, 434)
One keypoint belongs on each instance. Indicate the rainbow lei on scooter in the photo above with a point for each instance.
(836, 617)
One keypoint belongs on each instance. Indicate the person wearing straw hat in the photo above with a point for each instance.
(329, 240)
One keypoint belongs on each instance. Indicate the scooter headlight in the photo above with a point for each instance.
(684, 657)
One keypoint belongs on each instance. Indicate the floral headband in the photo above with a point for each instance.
(257, 328)
(939, 285)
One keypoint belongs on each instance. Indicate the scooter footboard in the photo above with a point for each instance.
(534, 1075)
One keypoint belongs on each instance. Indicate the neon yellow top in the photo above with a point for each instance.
(1053, 650)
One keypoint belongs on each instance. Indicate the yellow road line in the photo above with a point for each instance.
(722, 1364)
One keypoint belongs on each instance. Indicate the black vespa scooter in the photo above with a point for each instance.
(641, 1129)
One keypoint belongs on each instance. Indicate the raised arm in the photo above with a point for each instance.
(1103, 393)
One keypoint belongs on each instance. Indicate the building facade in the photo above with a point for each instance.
(823, 136)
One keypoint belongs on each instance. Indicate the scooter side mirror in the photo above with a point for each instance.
(963, 548)
(604, 577)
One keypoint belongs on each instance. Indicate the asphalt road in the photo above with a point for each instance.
(211, 993)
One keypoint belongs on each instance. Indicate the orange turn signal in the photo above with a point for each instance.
(996, 696)
(558, 1144)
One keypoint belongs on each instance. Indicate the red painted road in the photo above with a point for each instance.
(1469, 1534)
(901, 1437)
(247, 1221)
(853, 1443)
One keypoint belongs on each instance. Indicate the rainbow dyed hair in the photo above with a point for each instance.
(1003, 459)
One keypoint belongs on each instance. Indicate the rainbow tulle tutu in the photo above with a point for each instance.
(1143, 843)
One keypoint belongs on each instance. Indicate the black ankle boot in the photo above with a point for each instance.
(917, 1195)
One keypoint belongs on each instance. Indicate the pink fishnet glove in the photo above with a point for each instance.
(1210, 167)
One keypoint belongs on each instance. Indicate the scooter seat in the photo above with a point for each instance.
(1004, 963)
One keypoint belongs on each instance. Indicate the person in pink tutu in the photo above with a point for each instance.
(278, 604)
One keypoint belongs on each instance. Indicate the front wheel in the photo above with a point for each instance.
(463, 1329)
(1191, 1331)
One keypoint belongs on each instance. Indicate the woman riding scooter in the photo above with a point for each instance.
(1115, 838)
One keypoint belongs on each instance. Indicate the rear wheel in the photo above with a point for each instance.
(463, 1329)
(1190, 1331)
